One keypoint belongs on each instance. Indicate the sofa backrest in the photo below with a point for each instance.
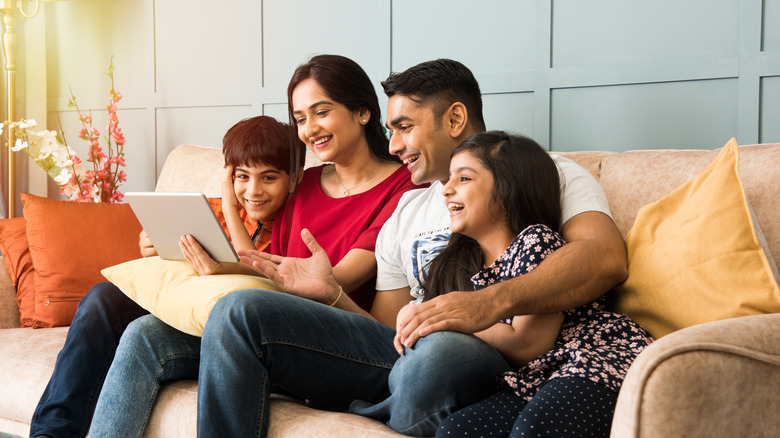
(630, 179)
(636, 178)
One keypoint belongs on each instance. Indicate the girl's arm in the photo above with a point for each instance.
(528, 337)
(230, 209)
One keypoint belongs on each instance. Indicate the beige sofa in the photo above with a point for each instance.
(715, 379)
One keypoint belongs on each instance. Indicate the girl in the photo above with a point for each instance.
(336, 110)
(503, 195)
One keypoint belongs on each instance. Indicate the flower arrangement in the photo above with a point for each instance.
(50, 151)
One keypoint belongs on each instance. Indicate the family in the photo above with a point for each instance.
(448, 281)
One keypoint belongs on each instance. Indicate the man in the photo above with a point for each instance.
(254, 342)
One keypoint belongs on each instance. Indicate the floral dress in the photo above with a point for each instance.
(593, 342)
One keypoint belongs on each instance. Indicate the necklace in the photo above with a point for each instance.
(346, 190)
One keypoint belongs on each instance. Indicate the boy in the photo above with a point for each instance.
(264, 159)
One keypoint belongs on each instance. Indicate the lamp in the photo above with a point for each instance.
(9, 9)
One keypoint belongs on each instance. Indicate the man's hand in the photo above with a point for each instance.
(310, 278)
(145, 245)
(465, 312)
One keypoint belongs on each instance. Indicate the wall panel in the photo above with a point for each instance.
(204, 126)
(770, 109)
(604, 31)
(699, 114)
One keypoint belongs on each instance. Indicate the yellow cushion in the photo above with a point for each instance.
(694, 256)
(175, 293)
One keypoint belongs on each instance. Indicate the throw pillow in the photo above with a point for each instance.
(175, 293)
(694, 256)
(70, 242)
(18, 263)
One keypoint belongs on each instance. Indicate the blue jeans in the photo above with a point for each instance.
(258, 342)
(149, 354)
(66, 406)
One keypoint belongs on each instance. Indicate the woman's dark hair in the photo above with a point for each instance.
(525, 184)
(344, 81)
(265, 140)
(439, 83)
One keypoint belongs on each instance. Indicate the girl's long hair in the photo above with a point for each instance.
(526, 185)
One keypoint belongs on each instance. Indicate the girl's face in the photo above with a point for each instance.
(469, 197)
(261, 190)
(328, 128)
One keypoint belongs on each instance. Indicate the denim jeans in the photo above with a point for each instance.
(149, 354)
(256, 342)
(66, 406)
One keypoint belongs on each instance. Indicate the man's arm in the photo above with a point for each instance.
(593, 261)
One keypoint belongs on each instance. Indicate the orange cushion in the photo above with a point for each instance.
(18, 263)
(70, 243)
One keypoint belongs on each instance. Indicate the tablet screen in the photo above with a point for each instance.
(167, 216)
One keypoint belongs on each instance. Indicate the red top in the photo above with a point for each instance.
(338, 224)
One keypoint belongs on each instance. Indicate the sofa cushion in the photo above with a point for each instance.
(174, 292)
(18, 263)
(695, 255)
(70, 242)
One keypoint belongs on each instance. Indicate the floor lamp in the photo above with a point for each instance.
(11, 10)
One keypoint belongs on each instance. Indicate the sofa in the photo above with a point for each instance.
(719, 378)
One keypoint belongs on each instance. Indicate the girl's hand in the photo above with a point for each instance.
(229, 200)
(198, 257)
(145, 245)
(310, 278)
(403, 315)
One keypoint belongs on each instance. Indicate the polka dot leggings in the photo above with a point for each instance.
(564, 407)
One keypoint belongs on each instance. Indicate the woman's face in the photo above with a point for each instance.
(328, 128)
(469, 197)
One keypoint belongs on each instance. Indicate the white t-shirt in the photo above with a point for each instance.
(420, 226)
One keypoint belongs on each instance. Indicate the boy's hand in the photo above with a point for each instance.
(145, 245)
(229, 200)
(197, 256)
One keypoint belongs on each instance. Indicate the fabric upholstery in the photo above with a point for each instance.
(70, 242)
(687, 267)
(174, 292)
(714, 379)
(18, 263)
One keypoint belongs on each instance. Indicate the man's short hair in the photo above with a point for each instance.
(439, 83)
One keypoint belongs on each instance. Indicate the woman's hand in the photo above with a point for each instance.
(145, 245)
(310, 278)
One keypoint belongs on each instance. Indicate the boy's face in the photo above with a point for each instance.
(261, 190)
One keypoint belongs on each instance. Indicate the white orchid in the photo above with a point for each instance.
(19, 145)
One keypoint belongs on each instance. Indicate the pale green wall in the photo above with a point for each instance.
(575, 75)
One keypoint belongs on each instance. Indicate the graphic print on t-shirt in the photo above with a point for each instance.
(424, 249)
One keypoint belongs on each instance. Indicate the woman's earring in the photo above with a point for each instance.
(365, 121)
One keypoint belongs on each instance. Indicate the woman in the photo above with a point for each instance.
(336, 111)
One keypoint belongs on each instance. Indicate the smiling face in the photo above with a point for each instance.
(468, 194)
(261, 190)
(418, 139)
(328, 128)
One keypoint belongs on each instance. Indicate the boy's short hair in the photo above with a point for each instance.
(265, 140)
(439, 83)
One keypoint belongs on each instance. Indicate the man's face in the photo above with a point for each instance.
(418, 140)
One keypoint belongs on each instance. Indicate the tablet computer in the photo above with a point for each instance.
(167, 216)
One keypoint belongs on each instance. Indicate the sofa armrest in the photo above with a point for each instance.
(716, 379)
(9, 309)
